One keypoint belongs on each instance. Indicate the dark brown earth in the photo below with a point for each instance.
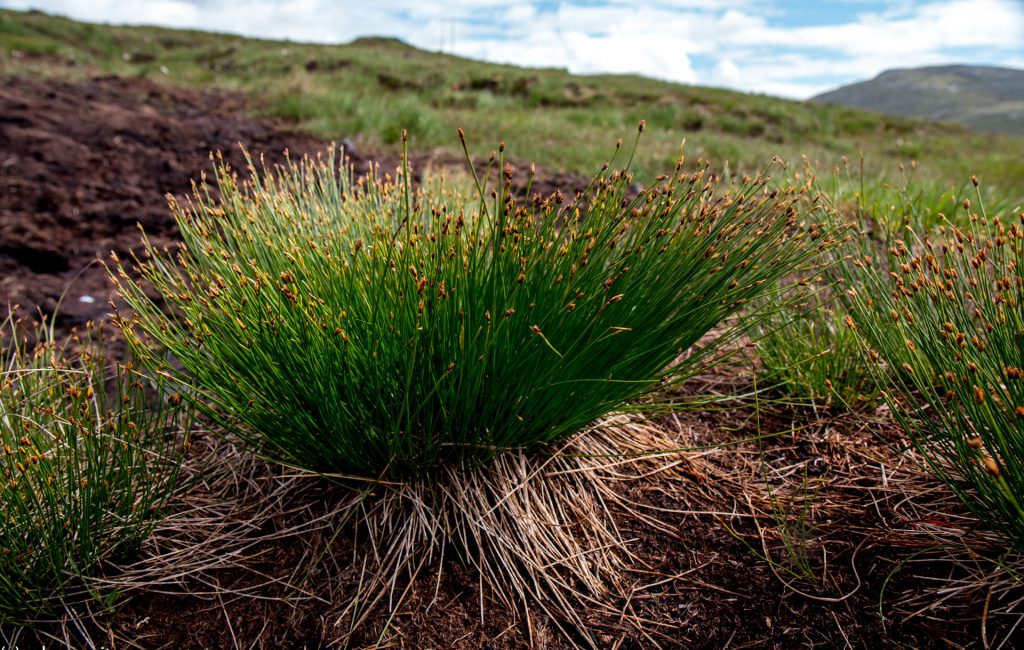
(82, 163)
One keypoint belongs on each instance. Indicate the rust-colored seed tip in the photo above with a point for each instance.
(462, 134)
(643, 123)
(501, 146)
(990, 466)
(974, 180)
(405, 135)
(1019, 412)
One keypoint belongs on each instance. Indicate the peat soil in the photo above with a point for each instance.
(82, 163)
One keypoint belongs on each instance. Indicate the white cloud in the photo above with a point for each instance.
(726, 74)
(875, 42)
(580, 41)
(931, 28)
(740, 44)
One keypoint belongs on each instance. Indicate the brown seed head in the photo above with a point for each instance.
(990, 466)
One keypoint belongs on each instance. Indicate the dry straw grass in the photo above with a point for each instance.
(541, 531)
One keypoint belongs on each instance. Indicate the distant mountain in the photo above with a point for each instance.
(984, 98)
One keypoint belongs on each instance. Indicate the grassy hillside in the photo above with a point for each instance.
(983, 98)
(370, 89)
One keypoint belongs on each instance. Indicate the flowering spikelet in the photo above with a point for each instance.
(990, 466)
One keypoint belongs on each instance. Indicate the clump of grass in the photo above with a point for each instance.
(806, 351)
(807, 354)
(444, 349)
(943, 317)
(359, 326)
(89, 456)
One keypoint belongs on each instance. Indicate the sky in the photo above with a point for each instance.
(788, 48)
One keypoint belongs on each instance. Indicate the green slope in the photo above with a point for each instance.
(370, 89)
(983, 98)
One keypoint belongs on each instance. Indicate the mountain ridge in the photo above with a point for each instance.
(984, 98)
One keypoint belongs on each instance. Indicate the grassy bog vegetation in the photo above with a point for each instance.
(89, 459)
(924, 311)
(365, 327)
(806, 352)
(942, 312)
(466, 363)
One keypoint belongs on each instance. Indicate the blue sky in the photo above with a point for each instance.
(791, 48)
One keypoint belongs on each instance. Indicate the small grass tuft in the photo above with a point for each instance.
(808, 355)
(89, 456)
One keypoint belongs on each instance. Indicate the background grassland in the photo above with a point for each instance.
(370, 89)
